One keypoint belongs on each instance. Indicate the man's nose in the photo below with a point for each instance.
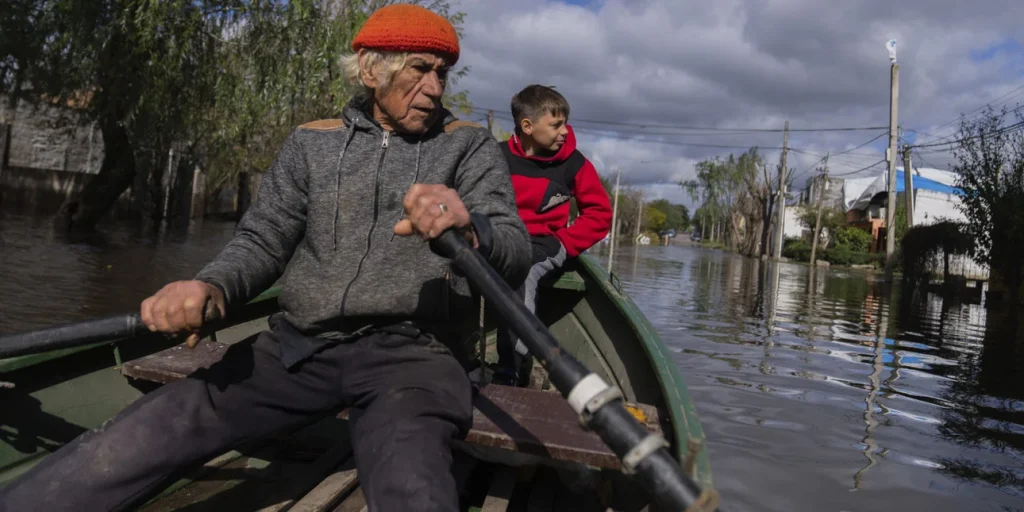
(432, 86)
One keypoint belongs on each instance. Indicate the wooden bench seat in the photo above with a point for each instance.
(535, 423)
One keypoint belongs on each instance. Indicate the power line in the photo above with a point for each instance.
(882, 161)
(705, 128)
(805, 171)
(999, 131)
(1006, 96)
(689, 144)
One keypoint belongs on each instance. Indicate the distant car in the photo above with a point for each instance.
(668, 233)
(695, 236)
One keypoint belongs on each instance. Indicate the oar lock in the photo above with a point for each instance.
(592, 393)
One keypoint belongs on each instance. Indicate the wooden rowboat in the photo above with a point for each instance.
(526, 451)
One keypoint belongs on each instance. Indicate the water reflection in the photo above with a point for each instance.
(815, 384)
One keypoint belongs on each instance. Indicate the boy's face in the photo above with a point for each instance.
(548, 132)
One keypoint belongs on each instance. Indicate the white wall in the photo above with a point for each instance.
(792, 226)
(931, 207)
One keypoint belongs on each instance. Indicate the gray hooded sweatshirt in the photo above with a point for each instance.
(323, 221)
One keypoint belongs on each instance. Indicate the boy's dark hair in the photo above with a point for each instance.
(536, 100)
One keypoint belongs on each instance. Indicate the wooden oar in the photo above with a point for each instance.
(599, 405)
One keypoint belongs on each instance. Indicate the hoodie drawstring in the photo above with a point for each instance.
(337, 189)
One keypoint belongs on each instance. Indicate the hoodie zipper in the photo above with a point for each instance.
(373, 224)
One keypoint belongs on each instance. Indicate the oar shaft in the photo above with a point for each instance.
(71, 335)
(658, 471)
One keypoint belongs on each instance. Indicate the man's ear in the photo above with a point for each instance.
(368, 74)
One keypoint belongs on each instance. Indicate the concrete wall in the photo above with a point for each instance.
(833, 190)
(51, 138)
(49, 154)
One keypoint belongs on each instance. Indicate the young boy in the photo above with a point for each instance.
(547, 171)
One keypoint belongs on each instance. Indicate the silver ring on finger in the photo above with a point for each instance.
(443, 207)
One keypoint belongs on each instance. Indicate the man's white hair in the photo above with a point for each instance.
(383, 65)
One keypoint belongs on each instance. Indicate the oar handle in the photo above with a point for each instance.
(72, 335)
(597, 403)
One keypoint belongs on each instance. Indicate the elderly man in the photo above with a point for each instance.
(368, 309)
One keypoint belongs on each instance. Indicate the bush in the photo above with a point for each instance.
(853, 239)
(841, 255)
(796, 249)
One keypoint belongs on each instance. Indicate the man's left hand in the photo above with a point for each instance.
(432, 209)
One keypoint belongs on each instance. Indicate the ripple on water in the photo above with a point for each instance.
(811, 392)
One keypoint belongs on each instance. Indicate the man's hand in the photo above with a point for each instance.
(183, 306)
(432, 209)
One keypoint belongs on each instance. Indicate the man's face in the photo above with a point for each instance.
(548, 132)
(411, 103)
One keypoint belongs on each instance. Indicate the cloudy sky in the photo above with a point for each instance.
(657, 85)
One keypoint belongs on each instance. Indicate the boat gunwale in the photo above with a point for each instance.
(681, 408)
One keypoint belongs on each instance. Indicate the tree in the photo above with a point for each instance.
(728, 191)
(676, 216)
(990, 171)
(655, 219)
(219, 81)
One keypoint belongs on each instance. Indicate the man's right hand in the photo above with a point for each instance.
(183, 306)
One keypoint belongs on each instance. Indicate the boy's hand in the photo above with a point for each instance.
(432, 209)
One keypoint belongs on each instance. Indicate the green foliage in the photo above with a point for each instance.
(667, 215)
(990, 171)
(832, 220)
(840, 255)
(922, 243)
(849, 248)
(222, 82)
(724, 187)
(796, 249)
(853, 239)
(654, 219)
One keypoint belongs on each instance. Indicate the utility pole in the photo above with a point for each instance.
(781, 201)
(890, 155)
(821, 204)
(615, 214)
(908, 185)
(490, 122)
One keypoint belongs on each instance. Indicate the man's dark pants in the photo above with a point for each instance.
(410, 394)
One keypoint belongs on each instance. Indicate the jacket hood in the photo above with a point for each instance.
(563, 153)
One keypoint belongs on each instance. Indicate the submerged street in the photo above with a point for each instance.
(827, 392)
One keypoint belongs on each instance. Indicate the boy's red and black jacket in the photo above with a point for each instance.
(543, 187)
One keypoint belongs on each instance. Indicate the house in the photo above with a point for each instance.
(935, 198)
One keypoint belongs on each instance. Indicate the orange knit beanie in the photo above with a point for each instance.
(408, 28)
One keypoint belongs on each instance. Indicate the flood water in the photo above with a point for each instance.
(834, 393)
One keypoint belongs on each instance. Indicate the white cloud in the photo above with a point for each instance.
(741, 63)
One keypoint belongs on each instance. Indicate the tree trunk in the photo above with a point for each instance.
(735, 233)
(80, 214)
